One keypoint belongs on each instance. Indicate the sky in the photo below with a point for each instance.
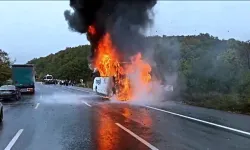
(32, 29)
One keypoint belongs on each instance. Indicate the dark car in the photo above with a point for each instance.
(1, 112)
(10, 92)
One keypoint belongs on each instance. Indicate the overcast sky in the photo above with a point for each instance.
(35, 29)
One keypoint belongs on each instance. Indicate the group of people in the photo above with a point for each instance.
(67, 82)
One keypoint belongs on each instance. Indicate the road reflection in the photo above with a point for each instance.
(107, 132)
(141, 116)
(126, 112)
(146, 118)
(108, 136)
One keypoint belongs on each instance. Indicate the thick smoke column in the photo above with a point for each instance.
(123, 19)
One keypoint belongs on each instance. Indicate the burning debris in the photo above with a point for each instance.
(113, 28)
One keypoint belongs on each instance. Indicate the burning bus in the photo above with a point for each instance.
(127, 80)
(115, 32)
(109, 85)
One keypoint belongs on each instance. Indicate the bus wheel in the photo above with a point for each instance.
(1, 115)
(96, 89)
(113, 91)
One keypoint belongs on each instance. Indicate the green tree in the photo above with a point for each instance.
(70, 64)
(5, 71)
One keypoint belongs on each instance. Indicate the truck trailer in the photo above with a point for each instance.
(23, 77)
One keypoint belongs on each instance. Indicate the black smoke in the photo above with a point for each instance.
(123, 19)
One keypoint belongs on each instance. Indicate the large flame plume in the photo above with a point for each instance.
(123, 20)
(115, 30)
(108, 63)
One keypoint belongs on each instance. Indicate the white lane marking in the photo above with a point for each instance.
(37, 105)
(13, 141)
(202, 121)
(86, 103)
(137, 137)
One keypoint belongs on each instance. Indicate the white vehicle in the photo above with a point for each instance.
(104, 86)
(48, 79)
(107, 86)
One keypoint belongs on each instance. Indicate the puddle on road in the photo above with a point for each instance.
(64, 98)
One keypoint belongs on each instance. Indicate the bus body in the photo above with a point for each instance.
(104, 86)
(107, 86)
(23, 76)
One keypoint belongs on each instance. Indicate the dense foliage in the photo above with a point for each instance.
(204, 70)
(5, 71)
(70, 64)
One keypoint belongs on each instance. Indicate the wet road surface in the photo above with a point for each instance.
(70, 118)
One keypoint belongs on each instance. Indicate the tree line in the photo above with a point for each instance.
(68, 64)
(5, 71)
(204, 70)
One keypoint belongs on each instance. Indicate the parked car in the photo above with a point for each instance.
(1, 112)
(10, 92)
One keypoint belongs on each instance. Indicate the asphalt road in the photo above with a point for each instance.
(69, 118)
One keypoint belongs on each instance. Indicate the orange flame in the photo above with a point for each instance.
(91, 30)
(138, 65)
(108, 64)
(107, 59)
